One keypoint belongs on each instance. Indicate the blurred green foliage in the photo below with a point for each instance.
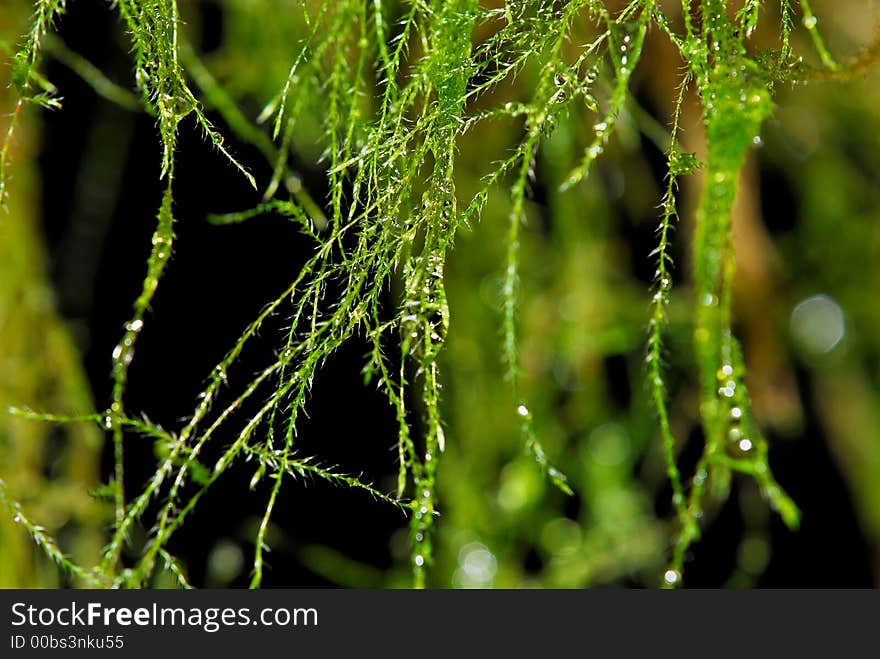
(51, 470)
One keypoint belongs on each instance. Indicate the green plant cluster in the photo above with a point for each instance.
(433, 117)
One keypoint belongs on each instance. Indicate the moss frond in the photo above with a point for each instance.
(394, 90)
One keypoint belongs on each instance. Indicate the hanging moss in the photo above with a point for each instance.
(396, 96)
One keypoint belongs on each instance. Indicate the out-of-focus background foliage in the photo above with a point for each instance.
(807, 238)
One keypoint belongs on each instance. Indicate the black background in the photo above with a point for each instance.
(397, 623)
